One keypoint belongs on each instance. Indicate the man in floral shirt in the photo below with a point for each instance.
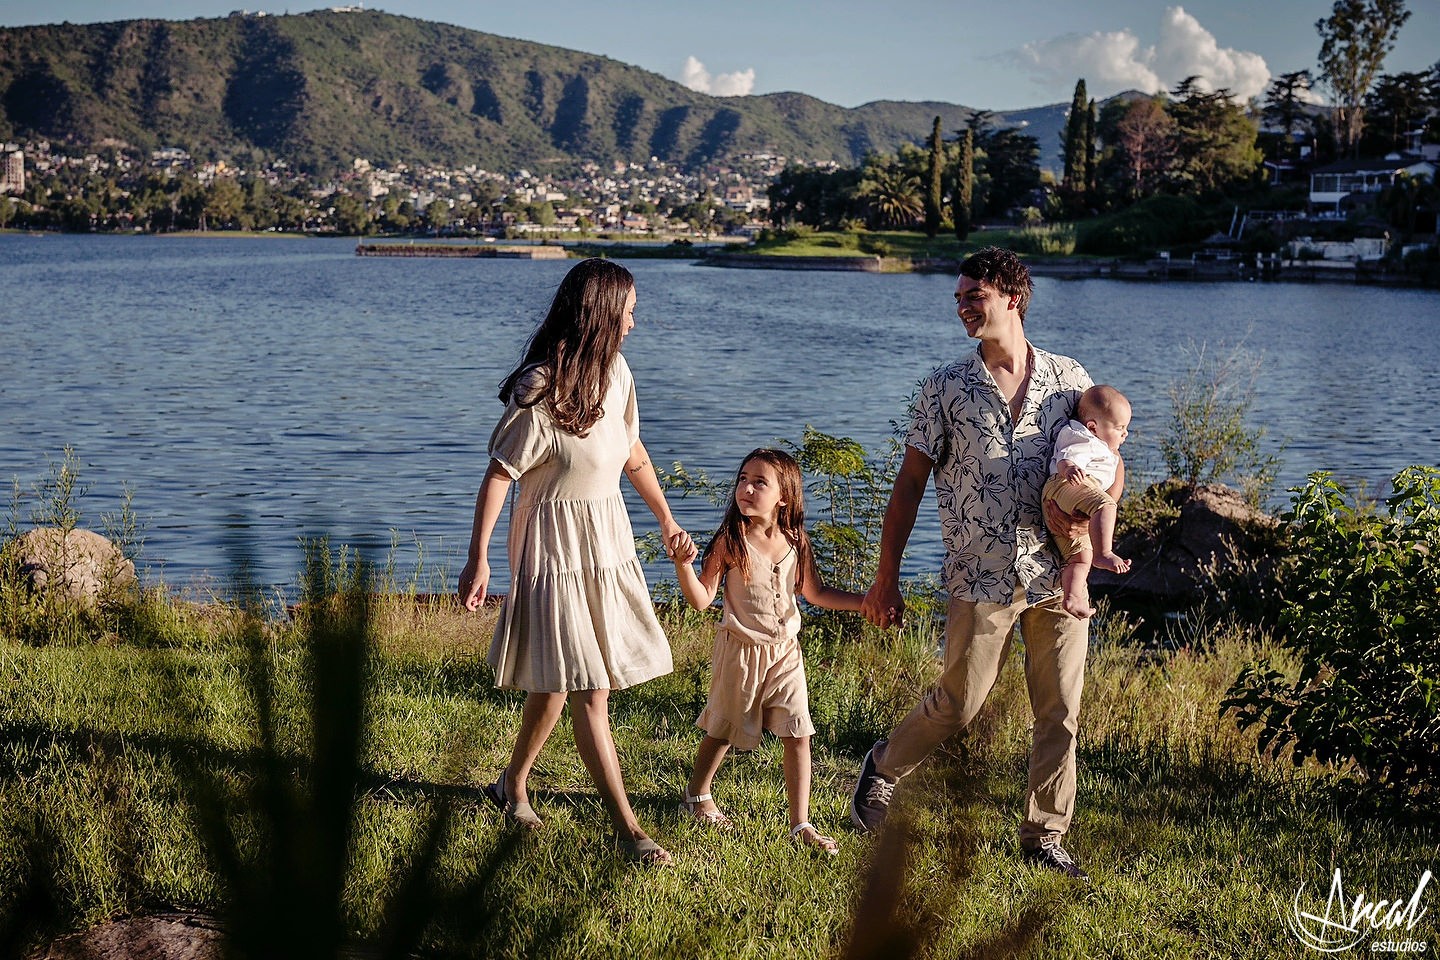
(984, 427)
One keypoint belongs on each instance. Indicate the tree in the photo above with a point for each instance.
(1011, 162)
(351, 217)
(1362, 592)
(1405, 199)
(259, 212)
(1397, 105)
(964, 185)
(934, 193)
(1285, 106)
(542, 213)
(437, 214)
(817, 198)
(1216, 141)
(1078, 138)
(224, 202)
(1142, 134)
(1090, 149)
(1354, 41)
(892, 197)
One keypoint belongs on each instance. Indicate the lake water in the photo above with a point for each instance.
(252, 392)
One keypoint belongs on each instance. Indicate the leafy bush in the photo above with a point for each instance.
(875, 246)
(1054, 240)
(1362, 604)
(1144, 226)
(1208, 438)
(846, 492)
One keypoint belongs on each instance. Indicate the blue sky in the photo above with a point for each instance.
(994, 55)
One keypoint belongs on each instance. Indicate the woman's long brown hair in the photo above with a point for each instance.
(729, 540)
(575, 345)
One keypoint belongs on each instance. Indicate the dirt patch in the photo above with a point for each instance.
(160, 936)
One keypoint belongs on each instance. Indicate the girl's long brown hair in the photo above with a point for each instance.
(729, 540)
(575, 345)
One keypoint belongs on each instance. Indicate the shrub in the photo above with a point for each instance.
(874, 246)
(1362, 602)
(1208, 438)
(1144, 226)
(846, 492)
(1055, 240)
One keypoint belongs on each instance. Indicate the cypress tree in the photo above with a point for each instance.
(1092, 128)
(1076, 137)
(964, 185)
(934, 193)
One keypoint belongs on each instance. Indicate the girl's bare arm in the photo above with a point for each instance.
(816, 592)
(699, 591)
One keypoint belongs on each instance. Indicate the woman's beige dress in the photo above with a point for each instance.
(758, 675)
(579, 614)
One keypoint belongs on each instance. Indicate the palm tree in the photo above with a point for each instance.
(892, 197)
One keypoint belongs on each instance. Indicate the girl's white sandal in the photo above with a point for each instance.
(816, 841)
(711, 818)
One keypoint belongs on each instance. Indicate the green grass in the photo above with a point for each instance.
(1196, 846)
(895, 243)
(908, 244)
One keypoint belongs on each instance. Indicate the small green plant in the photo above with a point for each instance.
(1056, 239)
(49, 614)
(875, 246)
(1363, 599)
(1208, 439)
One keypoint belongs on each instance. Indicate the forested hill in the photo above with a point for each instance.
(319, 89)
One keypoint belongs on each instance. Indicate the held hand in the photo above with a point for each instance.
(682, 549)
(1064, 525)
(677, 541)
(474, 578)
(883, 606)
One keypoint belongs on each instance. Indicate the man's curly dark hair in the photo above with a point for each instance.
(1004, 271)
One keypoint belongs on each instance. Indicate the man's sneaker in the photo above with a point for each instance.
(1054, 857)
(871, 800)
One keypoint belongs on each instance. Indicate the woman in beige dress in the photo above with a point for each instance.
(578, 621)
(757, 682)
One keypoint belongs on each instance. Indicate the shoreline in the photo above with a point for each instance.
(1068, 268)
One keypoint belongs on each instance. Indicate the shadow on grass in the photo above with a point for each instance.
(280, 842)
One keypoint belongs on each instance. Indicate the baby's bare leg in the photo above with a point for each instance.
(1074, 577)
(1102, 535)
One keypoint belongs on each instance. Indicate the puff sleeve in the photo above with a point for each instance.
(632, 407)
(525, 436)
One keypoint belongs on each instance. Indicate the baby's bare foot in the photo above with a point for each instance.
(1113, 563)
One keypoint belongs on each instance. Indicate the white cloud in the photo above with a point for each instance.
(1112, 62)
(697, 78)
(1188, 49)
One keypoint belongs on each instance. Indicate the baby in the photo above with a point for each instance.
(1087, 476)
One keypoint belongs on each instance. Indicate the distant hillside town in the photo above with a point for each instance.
(113, 189)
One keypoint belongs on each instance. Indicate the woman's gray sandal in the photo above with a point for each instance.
(520, 814)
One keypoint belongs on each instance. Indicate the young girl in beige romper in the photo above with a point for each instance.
(763, 556)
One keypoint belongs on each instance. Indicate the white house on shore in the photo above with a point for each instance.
(1336, 187)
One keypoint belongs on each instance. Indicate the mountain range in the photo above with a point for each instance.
(319, 89)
